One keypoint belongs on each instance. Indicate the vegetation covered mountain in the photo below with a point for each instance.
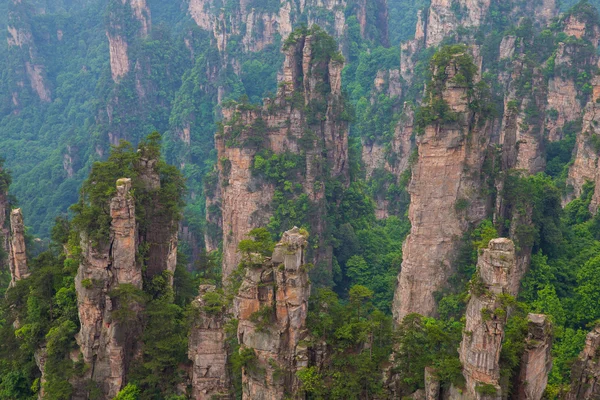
(350, 199)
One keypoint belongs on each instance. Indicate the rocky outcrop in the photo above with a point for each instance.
(304, 121)
(24, 54)
(585, 374)
(485, 320)
(261, 26)
(272, 306)
(121, 15)
(445, 196)
(105, 339)
(17, 259)
(446, 15)
(536, 361)
(207, 348)
(585, 158)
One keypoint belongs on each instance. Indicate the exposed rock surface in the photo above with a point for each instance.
(536, 361)
(585, 375)
(443, 18)
(260, 26)
(118, 40)
(23, 52)
(485, 320)
(272, 306)
(445, 174)
(207, 349)
(105, 341)
(18, 255)
(283, 126)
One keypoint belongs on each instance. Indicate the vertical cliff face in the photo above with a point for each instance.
(17, 255)
(485, 319)
(127, 19)
(260, 26)
(304, 122)
(585, 374)
(445, 192)
(105, 340)
(272, 306)
(536, 361)
(446, 15)
(25, 61)
(207, 348)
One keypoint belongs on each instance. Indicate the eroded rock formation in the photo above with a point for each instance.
(17, 256)
(261, 26)
(485, 319)
(272, 306)
(106, 340)
(117, 33)
(585, 374)
(536, 361)
(24, 53)
(445, 198)
(306, 122)
(207, 348)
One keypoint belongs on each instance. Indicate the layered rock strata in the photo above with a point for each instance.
(207, 349)
(106, 342)
(17, 259)
(305, 121)
(272, 306)
(585, 374)
(485, 320)
(445, 198)
(536, 361)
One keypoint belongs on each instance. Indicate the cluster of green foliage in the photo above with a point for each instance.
(359, 338)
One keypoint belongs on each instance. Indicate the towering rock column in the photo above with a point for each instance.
(304, 121)
(485, 319)
(207, 348)
(536, 361)
(585, 375)
(445, 194)
(272, 306)
(17, 256)
(106, 341)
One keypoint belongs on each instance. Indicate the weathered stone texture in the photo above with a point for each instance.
(585, 374)
(445, 174)
(18, 255)
(207, 349)
(536, 361)
(245, 198)
(272, 305)
(485, 319)
(102, 341)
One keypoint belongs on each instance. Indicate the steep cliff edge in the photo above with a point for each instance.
(207, 347)
(272, 306)
(127, 19)
(262, 25)
(17, 255)
(107, 341)
(446, 185)
(300, 136)
(536, 361)
(586, 371)
(485, 320)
